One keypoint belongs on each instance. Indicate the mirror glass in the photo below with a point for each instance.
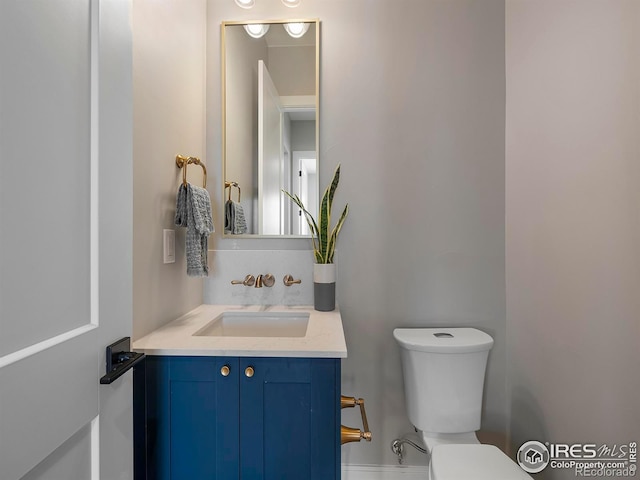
(270, 125)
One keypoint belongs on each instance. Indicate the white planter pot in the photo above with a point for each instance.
(324, 272)
(324, 286)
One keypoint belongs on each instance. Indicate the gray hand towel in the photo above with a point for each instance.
(234, 219)
(239, 222)
(193, 211)
(229, 216)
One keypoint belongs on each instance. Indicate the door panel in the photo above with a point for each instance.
(193, 429)
(43, 402)
(269, 153)
(204, 418)
(73, 456)
(192, 418)
(288, 419)
(46, 99)
(65, 236)
(287, 415)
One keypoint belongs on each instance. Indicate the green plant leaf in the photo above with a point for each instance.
(335, 232)
(324, 242)
(308, 217)
(325, 215)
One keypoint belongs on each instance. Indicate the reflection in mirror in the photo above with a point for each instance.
(270, 125)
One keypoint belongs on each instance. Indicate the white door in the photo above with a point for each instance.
(65, 237)
(306, 187)
(285, 182)
(269, 154)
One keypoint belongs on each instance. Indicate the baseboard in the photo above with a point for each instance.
(383, 472)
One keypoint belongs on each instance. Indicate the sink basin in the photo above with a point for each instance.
(256, 324)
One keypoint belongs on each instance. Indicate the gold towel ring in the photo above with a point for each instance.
(183, 162)
(229, 185)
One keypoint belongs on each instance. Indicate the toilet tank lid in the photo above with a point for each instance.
(443, 340)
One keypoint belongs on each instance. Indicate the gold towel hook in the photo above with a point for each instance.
(183, 162)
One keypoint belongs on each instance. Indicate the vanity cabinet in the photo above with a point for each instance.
(248, 418)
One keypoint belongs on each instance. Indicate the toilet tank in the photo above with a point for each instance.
(443, 372)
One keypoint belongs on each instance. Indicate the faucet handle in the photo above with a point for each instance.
(248, 281)
(288, 280)
(268, 280)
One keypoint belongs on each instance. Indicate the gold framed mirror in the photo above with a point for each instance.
(270, 118)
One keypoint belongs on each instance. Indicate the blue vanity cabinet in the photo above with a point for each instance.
(267, 419)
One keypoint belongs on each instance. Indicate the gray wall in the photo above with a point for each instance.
(293, 68)
(573, 236)
(303, 135)
(168, 108)
(412, 105)
(243, 53)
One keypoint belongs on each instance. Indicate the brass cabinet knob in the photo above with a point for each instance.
(225, 370)
(249, 372)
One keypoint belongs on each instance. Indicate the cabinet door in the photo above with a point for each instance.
(289, 419)
(192, 413)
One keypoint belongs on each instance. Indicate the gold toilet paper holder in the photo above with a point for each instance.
(349, 434)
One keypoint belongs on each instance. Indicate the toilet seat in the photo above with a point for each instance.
(473, 462)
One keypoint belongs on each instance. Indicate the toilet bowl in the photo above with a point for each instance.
(443, 370)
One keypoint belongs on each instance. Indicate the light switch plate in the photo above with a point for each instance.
(169, 245)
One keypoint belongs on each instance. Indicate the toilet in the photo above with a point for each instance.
(443, 372)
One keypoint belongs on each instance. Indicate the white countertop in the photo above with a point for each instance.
(324, 337)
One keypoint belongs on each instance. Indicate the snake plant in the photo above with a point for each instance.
(324, 240)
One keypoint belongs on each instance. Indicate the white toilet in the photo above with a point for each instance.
(443, 380)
